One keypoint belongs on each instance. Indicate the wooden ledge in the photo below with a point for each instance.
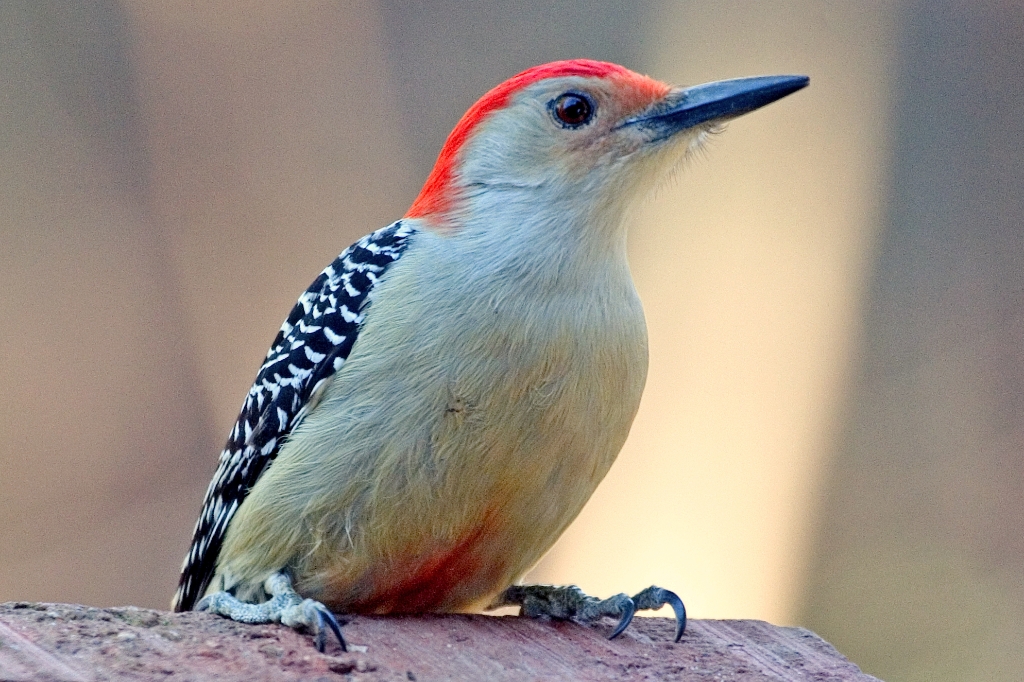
(67, 642)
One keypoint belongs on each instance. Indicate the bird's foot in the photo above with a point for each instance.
(285, 606)
(570, 602)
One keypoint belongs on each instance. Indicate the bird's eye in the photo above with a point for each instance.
(573, 109)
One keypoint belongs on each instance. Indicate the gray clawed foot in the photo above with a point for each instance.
(285, 606)
(568, 601)
(654, 598)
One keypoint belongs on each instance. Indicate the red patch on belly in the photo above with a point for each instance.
(451, 579)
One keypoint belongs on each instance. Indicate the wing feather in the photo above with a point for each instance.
(311, 347)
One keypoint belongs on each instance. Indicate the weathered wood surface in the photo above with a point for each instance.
(65, 643)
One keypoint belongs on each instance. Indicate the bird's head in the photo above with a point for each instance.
(577, 135)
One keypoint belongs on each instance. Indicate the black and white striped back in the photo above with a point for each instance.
(311, 347)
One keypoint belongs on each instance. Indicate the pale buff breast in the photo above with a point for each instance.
(457, 456)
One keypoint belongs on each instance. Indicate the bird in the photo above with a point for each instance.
(445, 397)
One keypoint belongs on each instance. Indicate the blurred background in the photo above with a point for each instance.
(833, 430)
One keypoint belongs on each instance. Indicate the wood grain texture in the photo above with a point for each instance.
(64, 642)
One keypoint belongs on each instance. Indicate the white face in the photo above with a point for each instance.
(568, 135)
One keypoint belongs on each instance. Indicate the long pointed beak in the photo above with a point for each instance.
(718, 101)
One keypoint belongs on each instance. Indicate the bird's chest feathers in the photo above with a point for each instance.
(534, 396)
(537, 382)
(534, 351)
(499, 427)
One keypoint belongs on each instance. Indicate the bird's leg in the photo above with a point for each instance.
(569, 601)
(284, 606)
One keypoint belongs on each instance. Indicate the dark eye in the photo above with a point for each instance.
(573, 110)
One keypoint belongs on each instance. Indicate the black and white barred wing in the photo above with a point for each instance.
(311, 347)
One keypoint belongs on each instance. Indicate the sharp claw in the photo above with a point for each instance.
(673, 600)
(627, 618)
(332, 622)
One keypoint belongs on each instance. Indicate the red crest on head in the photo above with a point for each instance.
(436, 195)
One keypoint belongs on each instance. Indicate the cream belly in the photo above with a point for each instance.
(431, 479)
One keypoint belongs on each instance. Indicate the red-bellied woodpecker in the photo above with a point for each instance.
(448, 393)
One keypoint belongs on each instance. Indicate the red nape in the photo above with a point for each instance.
(436, 196)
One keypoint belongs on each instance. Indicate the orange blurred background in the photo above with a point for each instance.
(833, 427)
